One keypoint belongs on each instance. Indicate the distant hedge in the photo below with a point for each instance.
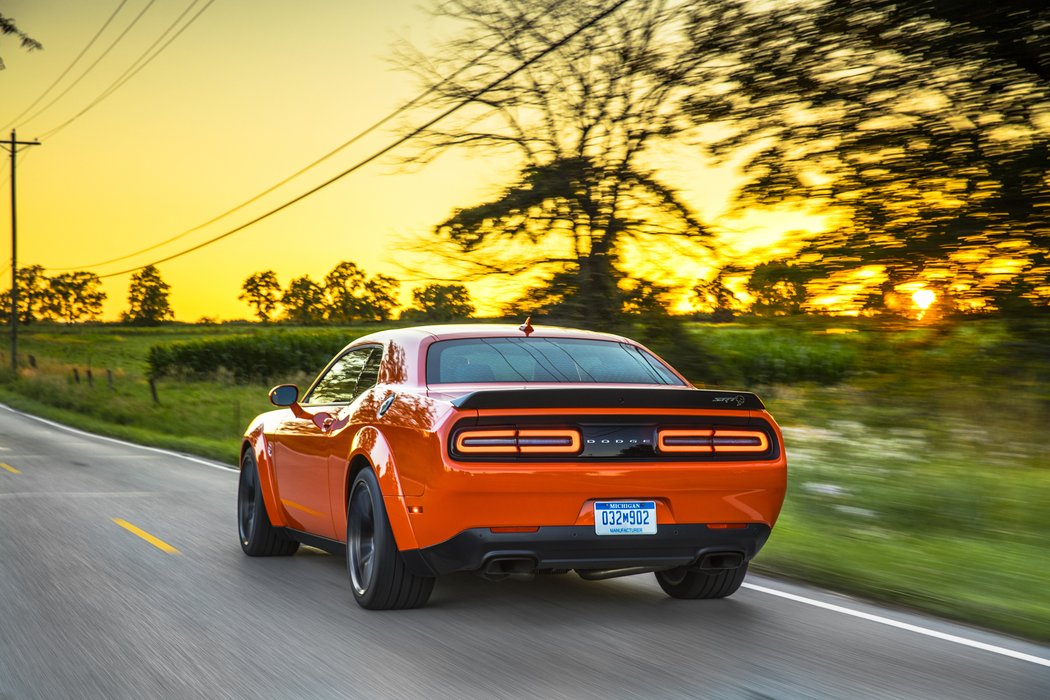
(248, 358)
(767, 356)
(712, 355)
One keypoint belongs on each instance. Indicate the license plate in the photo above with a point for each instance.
(625, 517)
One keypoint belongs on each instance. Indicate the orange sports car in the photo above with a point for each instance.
(510, 452)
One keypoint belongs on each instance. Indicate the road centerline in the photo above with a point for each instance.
(9, 468)
(155, 541)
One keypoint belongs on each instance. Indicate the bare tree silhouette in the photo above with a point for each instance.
(577, 124)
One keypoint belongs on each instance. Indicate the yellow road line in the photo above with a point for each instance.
(9, 468)
(159, 544)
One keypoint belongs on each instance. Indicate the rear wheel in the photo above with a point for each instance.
(258, 537)
(378, 575)
(686, 583)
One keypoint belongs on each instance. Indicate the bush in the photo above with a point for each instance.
(773, 356)
(249, 358)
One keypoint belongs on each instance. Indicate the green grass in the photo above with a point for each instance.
(222, 450)
(205, 417)
(942, 516)
(918, 471)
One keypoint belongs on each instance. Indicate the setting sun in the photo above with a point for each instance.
(923, 298)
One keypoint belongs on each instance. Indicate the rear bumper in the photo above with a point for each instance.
(578, 547)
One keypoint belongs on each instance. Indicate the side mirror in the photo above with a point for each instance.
(284, 395)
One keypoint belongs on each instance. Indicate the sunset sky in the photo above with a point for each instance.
(246, 95)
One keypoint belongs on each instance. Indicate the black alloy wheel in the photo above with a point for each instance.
(360, 539)
(246, 495)
(379, 578)
(259, 538)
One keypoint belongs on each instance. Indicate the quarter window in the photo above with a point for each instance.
(349, 377)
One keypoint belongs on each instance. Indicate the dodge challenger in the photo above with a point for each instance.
(510, 452)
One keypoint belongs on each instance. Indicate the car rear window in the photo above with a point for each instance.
(471, 360)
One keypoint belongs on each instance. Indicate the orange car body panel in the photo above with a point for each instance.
(430, 496)
(463, 495)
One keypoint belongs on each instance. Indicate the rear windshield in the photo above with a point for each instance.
(543, 360)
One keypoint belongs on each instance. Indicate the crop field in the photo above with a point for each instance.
(917, 459)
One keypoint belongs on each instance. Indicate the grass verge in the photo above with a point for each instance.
(218, 450)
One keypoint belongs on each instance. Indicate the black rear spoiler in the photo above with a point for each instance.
(576, 397)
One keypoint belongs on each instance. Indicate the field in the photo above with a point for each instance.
(918, 468)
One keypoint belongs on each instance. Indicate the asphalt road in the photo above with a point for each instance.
(90, 609)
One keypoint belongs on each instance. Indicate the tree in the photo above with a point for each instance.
(75, 296)
(304, 301)
(643, 297)
(352, 296)
(381, 293)
(579, 123)
(778, 289)
(345, 290)
(923, 125)
(34, 296)
(261, 291)
(441, 302)
(148, 298)
(8, 27)
(718, 299)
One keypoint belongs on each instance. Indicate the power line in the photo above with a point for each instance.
(132, 71)
(360, 135)
(70, 66)
(92, 66)
(386, 149)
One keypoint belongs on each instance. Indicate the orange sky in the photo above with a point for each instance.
(248, 94)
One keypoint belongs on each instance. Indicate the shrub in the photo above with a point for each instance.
(774, 356)
(249, 358)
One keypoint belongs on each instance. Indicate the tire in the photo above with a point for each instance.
(379, 578)
(258, 537)
(693, 584)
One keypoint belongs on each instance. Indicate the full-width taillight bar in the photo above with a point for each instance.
(680, 441)
(559, 441)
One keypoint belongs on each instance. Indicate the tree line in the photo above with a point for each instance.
(349, 295)
(73, 297)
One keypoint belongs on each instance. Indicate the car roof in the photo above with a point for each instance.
(455, 331)
(411, 369)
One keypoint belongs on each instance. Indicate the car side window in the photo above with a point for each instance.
(348, 377)
(370, 373)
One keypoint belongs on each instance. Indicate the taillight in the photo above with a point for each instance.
(555, 441)
(473, 441)
(740, 441)
(685, 441)
(679, 441)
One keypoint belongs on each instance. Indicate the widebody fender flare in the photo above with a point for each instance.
(371, 450)
(255, 440)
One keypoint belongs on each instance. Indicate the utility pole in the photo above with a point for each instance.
(12, 147)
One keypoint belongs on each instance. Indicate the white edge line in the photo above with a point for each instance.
(903, 625)
(158, 450)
